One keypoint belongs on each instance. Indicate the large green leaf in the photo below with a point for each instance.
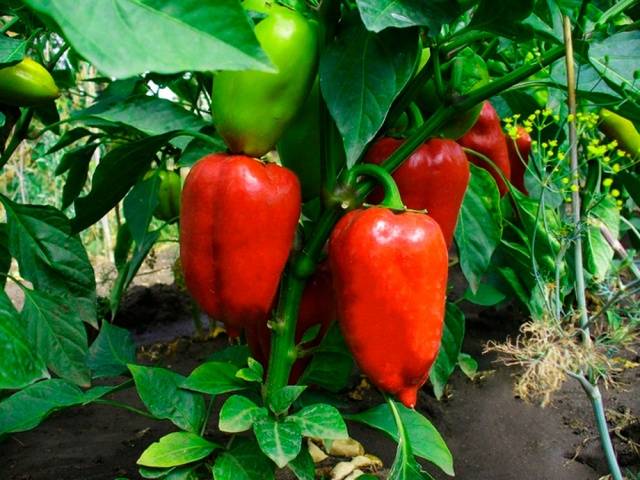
(599, 252)
(20, 364)
(281, 442)
(502, 16)
(25, 409)
(111, 351)
(425, 440)
(139, 205)
(320, 421)
(380, 14)
(5, 256)
(159, 389)
(51, 257)
(177, 448)
(124, 38)
(361, 73)
(617, 57)
(116, 173)
(479, 226)
(238, 414)
(149, 115)
(12, 50)
(215, 378)
(450, 348)
(243, 461)
(56, 331)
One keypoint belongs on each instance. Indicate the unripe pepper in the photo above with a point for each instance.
(390, 278)
(620, 129)
(27, 83)
(519, 151)
(486, 137)
(168, 208)
(237, 224)
(434, 178)
(317, 307)
(252, 109)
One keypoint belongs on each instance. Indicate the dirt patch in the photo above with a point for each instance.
(492, 434)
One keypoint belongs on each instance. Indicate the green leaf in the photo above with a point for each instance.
(214, 378)
(284, 398)
(51, 257)
(616, 58)
(239, 414)
(56, 331)
(450, 347)
(487, 295)
(320, 421)
(20, 364)
(631, 183)
(255, 366)
(77, 163)
(25, 409)
(116, 173)
(281, 442)
(162, 37)
(197, 148)
(68, 138)
(501, 16)
(331, 364)
(243, 461)
(377, 67)
(479, 226)
(468, 365)
(111, 351)
(249, 375)
(139, 205)
(237, 355)
(149, 115)
(12, 50)
(6, 306)
(380, 14)
(177, 448)
(425, 439)
(302, 466)
(159, 390)
(599, 252)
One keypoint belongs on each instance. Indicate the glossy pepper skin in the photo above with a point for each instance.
(620, 129)
(237, 223)
(317, 307)
(486, 137)
(27, 83)
(434, 178)
(252, 109)
(390, 278)
(519, 151)
(168, 208)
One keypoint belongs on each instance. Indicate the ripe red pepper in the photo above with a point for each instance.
(317, 307)
(519, 150)
(486, 138)
(390, 279)
(237, 224)
(434, 177)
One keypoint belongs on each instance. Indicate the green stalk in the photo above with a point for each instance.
(592, 390)
(616, 9)
(283, 351)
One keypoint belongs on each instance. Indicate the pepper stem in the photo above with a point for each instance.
(392, 197)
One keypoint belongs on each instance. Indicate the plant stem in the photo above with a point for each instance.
(283, 351)
(592, 390)
(19, 133)
(465, 37)
(575, 182)
(616, 9)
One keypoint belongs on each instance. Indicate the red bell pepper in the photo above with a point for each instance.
(389, 273)
(237, 224)
(434, 178)
(486, 138)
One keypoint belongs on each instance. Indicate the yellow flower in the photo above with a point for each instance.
(565, 180)
(574, 188)
(607, 182)
(616, 167)
(619, 203)
(561, 156)
(571, 118)
(615, 193)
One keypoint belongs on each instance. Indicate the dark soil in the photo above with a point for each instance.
(492, 434)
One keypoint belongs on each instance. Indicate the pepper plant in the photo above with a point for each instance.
(292, 117)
